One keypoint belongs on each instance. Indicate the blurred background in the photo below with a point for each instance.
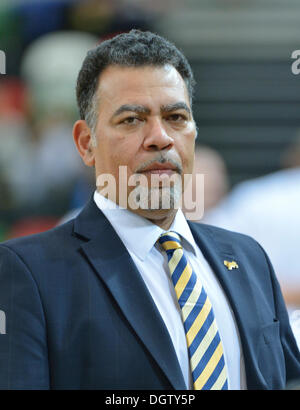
(246, 105)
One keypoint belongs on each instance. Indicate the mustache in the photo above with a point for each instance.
(161, 159)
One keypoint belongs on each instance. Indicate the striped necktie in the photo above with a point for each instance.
(203, 339)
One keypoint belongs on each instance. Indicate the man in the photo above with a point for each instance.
(134, 297)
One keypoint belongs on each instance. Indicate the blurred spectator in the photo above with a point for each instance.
(267, 208)
(39, 165)
(37, 18)
(107, 18)
(10, 35)
(30, 226)
(50, 67)
(15, 141)
(209, 163)
(92, 16)
(291, 156)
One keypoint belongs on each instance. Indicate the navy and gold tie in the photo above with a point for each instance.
(203, 339)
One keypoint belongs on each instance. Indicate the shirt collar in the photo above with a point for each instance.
(138, 234)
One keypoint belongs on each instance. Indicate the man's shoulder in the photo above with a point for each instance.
(221, 232)
(225, 238)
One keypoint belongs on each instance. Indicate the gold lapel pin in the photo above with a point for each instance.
(231, 265)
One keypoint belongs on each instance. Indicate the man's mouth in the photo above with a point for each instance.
(159, 169)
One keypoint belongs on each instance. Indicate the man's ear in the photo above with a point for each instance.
(83, 141)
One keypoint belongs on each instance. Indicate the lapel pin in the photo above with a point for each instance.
(231, 265)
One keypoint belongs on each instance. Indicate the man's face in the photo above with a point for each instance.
(144, 123)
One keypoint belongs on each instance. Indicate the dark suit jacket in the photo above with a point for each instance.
(79, 316)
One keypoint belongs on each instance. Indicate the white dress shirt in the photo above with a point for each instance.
(139, 236)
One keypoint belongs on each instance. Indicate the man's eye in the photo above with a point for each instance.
(131, 120)
(176, 117)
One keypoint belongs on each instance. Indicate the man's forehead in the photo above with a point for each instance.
(142, 86)
(116, 78)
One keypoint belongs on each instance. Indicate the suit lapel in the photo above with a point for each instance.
(110, 259)
(237, 287)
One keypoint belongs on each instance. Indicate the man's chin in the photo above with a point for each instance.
(157, 215)
(155, 199)
(159, 206)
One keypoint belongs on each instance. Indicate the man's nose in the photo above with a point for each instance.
(157, 138)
